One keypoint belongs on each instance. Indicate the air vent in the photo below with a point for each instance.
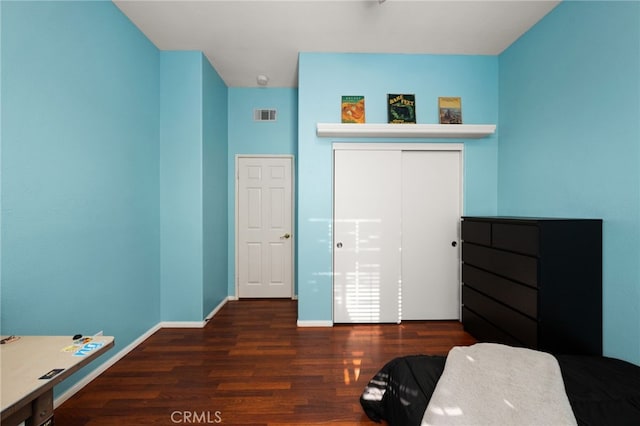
(264, 115)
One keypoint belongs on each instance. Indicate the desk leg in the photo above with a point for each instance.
(42, 411)
(18, 417)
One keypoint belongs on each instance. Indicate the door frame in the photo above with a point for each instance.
(237, 211)
(401, 146)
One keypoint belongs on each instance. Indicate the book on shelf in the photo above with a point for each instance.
(353, 109)
(401, 108)
(450, 110)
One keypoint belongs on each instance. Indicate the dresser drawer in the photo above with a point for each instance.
(476, 232)
(514, 266)
(484, 331)
(513, 323)
(515, 237)
(517, 296)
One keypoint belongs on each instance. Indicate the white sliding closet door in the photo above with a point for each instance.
(366, 236)
(431, 208)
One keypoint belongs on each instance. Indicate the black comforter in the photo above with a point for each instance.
(601, 390)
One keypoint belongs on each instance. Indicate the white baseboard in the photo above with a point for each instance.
(217, 308)
(121, 354)
(302, 323)
(195, 324)
(182, 324)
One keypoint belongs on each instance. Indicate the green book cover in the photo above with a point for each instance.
(401, 108)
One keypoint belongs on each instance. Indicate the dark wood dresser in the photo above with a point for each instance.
(533, 282)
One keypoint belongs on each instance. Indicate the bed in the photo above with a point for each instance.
(489, 383)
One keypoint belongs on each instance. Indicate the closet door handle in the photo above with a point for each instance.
(339, 245)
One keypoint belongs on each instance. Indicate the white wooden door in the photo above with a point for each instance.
(264, 240)
(366, 236)
(431, 209)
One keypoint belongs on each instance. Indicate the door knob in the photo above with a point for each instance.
(285, 236)
(454, 243)
(339, 245)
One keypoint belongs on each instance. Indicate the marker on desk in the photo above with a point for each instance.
(9, 339)
(79, 339)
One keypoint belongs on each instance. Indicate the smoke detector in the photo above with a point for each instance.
(262, 80)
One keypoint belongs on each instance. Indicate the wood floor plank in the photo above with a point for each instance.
(252, 365)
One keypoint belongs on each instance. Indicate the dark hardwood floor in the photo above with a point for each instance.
(251, 364)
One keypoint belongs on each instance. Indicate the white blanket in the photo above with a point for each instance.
(492, 384)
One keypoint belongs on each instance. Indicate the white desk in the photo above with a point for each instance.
(25, 395)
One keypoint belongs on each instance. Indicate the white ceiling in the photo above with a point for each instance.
(245, 38)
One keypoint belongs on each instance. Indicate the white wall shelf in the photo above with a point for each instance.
(381, 130)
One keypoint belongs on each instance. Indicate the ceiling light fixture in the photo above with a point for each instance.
(262, 80)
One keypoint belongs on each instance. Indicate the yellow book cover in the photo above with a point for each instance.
(353, 109)
(450, 109)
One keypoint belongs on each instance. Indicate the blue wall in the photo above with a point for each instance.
(214, 140)
(323, 79)
(181, 204)
(114, 168)
(247, 136)
(570, 141)
(193, 147)
(80, 187)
